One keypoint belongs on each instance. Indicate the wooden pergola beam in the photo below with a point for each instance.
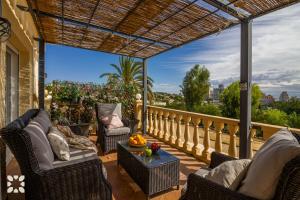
(225, 8)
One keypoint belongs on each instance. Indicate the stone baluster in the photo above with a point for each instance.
(187, 145)
(232, 151)
(155, 131)
(178, 142)
(252, 134)
(138, 111)
(172, 137)
(150, 121)
(166, 127)
(219, 142)
(160, 125)
(196, 150)
(206, 140)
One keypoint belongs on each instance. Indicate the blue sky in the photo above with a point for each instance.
(276, 58)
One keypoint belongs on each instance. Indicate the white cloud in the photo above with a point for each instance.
(276, 50)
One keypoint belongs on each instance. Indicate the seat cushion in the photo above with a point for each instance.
(59, 144)
(117, 131)
(43, 119)
(230, 173)
(105, 109)
(40, 144)
(267, 164)
(200, 172)
(76, 156)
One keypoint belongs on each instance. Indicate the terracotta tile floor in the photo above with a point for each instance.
(124, 188)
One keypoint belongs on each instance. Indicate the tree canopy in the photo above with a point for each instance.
(195, 87)
(129, 72)
(230, 98)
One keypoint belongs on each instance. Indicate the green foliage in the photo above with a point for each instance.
(230, 98)
(273, 116)
(209, 109)
(294, 120)
(195, 87)
(293, 105)
(129, 72)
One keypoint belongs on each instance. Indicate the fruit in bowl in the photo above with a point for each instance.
(137, 140)
(154, 147)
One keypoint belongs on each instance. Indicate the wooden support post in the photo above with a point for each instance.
(41, 74)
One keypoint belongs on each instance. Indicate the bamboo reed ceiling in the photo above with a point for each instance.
(141, 28)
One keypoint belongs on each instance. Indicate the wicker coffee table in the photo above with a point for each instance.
(153, 174)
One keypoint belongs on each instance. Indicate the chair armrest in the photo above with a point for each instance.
(84, 180)
(219, 158)
(201, 188)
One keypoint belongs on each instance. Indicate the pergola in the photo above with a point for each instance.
(146, 28)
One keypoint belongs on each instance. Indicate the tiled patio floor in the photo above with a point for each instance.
(124, 188)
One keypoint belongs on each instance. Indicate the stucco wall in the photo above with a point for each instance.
(21, 40)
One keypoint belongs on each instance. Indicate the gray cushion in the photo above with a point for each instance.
(43, 119)
(40, 145)
(230, 173)
(117, 131)
(106, 109)
(201, 172)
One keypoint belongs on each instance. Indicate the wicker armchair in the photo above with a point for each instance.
(105, 137)
(83, 179)
(288, 187)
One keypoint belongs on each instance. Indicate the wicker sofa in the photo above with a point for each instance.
(288, 187)
(76, 179)
(108, 138)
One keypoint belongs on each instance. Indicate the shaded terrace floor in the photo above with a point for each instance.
(122, 185)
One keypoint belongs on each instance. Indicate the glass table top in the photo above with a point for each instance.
(160, 157)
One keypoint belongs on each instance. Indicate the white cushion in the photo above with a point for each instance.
(59, 144)
(230, 173)
(264, 172)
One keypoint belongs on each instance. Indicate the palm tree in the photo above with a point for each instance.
(130, 72)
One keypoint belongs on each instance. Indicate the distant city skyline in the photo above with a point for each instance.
(276, 50)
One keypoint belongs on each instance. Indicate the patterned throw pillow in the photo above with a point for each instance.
(66, 131)
(112, 121)
(59, 144)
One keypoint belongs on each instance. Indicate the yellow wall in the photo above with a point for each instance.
(22, 39)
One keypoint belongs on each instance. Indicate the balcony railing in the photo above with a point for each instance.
(200, 134)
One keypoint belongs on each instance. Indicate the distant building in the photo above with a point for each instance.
(267, 99)
(217, 92)
(284, 97)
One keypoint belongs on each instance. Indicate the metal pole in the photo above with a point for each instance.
(245, 85)
(41, 74)
(145, 91)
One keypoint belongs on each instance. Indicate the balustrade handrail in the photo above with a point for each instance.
(255, 125)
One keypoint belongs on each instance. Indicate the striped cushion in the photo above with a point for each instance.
(78, 156)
